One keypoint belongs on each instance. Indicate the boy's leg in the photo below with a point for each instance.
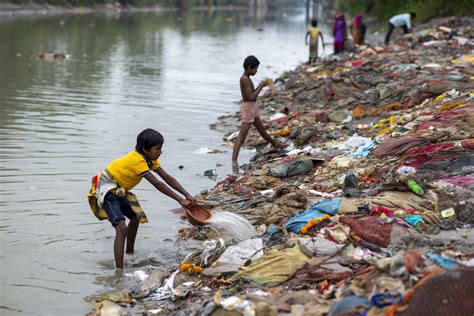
(132, 234)
(120, 234)
(263, 132)
(244, 129)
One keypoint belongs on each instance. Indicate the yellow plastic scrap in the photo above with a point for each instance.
(190, 268)
(385, 131)
(451, 105)
(464, 59)
(392, 121)
(283, 133)
(381, 123)
(441, 97)
(312, 222)
(322, 73)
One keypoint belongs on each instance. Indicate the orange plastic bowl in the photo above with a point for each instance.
(197, 215)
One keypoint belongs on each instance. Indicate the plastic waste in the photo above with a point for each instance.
(243, 251)
(405, 169)
(443, 261)
(415, 187)
(210, 172)
(448, 212)
(278, 117)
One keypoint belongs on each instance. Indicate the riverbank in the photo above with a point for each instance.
(368, 209)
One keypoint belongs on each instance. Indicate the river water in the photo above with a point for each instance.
(62, 121)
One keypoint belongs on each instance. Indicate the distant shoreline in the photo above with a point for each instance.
(10, 10)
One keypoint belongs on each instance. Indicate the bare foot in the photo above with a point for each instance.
(235, 167)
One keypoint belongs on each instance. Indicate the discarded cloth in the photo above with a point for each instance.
(402, 200)
(316, 211)
(397, 146)
(369, 229)
(318, 246)
(298, 167)
(275, 267)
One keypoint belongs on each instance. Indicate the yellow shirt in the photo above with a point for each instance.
(314, 33)
(129, 170)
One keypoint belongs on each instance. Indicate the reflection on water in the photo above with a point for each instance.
(62, 121)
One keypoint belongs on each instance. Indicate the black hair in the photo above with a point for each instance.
(147, 139)
(251, 62)
(413, 14)
(314, 22)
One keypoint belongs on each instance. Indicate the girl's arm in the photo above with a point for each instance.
(163, 188)
(172, 182)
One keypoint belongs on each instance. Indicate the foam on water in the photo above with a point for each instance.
(232, 226)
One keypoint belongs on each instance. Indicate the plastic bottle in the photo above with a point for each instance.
(415, 187)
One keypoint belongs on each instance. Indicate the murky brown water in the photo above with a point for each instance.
(63, 121)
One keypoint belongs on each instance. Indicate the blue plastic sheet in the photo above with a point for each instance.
(330, 207)
(363, 151)
(443, 261)
(347, 304)
(385, 299)
(413, 220)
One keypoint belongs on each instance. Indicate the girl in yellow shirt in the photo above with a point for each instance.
(110, 197)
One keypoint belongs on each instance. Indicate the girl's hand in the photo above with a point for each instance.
(191, 199)
(185, 203)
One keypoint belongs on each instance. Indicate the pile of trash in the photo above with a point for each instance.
(369, 210)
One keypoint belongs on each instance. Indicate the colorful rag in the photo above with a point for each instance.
(101, 184)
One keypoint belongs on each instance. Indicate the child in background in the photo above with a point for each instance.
(313, 34)
(110, 197)
(249, 109)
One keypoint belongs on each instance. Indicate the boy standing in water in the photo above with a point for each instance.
(110, 197)
(313, 34)
(249, 109)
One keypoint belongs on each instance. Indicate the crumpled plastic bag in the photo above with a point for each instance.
(240, 253)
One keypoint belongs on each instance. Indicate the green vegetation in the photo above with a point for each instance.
(425, 9)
